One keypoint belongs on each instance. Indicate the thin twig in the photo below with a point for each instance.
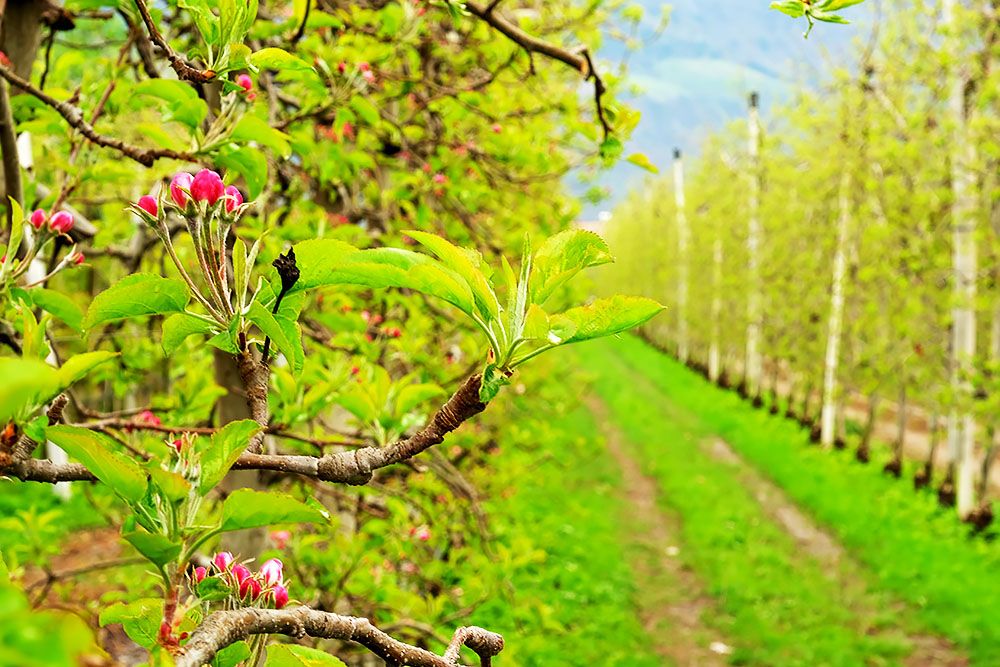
(74, 116)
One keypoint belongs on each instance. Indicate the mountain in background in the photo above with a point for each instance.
(697, 75)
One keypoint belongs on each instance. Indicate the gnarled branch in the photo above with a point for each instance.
(74, 116)
(184, 70)
(227, 627)
(351, 467)
(579, 58)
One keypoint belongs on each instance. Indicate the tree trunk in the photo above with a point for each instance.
(863, 453)
(683, 242)
(753, 361)
(714, 359)
(963, 425)
(835, 321)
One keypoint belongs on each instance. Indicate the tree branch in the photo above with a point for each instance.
(74, 116)
(227, 627)
(184, 70)
(351, 467)
(579, 58)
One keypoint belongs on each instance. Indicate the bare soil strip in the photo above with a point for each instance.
(672, 603)
(814, 540)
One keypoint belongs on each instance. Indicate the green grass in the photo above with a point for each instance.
(571, 597)
(780, 606)
(910, 547)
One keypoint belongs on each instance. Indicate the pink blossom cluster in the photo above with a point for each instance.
(265, 587)
(187, 190)
(59, 222)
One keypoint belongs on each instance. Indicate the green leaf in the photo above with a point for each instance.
(232, 655)
(494, 379)
(366, 110)
(563, 256)
(279, 59)
(16, 226)
(413, 395)
(76, 367)
(835, 5)
(136, 295)
(59, 305)
(249, 163)
(178, 327)
(25, 382)
(536, 324)
(380, 267)
(642, 161)
(207, 22)
(252, 128)
(96, 451)
(140, 619)
(794, 8)
(246, 508)
(213, 588)
(265, 321)
(292, 655)
(156, 548)
(225, 447)
(467, 264)
(606, 317)
(183, 103)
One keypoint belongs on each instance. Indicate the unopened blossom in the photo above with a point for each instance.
(207, 186)
(180, 185)
(280, 596)
(271, 570)
(77, 258)
(241, 573)
(245, 82)
(61, 222)
(199, 574)
(250, 588)
(440, 179)
(148, 204)
(37, 218)
(233, 198)
(280, 539)
(223, 560)
(177, 444)
(147, 417)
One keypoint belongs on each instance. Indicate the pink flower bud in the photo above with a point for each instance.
(241, 573)
(222, 560)
(147, 417)
(245, 82)
(368, 76)
(61, 222)
(78, 258)
(148, 204)
(233, 198)
(364, 67)
(440, 179)
(341, 67)
(199, 574)
(207, 186)
(250, 588)
(271, 571)
(38, 219)
(280, 596)
(280, 539)
(423, 534)
(177, 444)
(178, 185)
(497, 128)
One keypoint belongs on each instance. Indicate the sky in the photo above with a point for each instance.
(696, 76)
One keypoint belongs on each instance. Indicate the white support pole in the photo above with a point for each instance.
(753, 352)
(683, 270)
(835, 321)
(962, 424)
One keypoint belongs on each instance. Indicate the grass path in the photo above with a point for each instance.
(789, 591)
(672, 603)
